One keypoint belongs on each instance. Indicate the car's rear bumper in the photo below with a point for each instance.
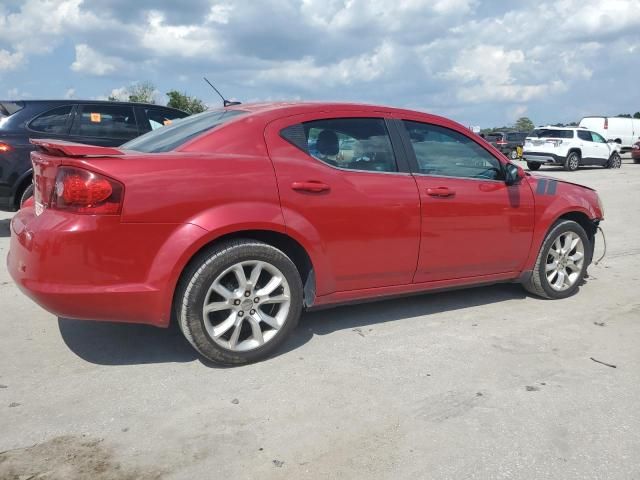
(543, 157)
(97, 268)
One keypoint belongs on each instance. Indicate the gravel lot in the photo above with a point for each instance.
(480, 383)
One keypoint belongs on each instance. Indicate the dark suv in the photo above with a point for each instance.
(92, 122)
(507, 142)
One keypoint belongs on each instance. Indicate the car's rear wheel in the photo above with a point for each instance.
(615, 161)
(533, 165)
(572, 162)
(238, 301)
(26, 195)
(562, 262)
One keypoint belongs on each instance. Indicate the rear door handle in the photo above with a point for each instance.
(440, 192)
(310, 186)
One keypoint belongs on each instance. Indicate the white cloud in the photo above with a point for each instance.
(307, 74)
(70, 93)
(10, 61)
(92, 62)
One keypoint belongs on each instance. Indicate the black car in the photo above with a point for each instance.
(507, 142)
(92, 122)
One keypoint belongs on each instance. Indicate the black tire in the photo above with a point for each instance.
(572, 162)
(534, 165)
(538, 284)
(27, 194)
(194, 287)
(615, 161)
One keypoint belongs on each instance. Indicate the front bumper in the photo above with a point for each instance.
(94, 267)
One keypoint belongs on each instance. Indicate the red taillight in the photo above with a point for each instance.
(502, 142)
(606, 123)
(5, 147)
(82, 191)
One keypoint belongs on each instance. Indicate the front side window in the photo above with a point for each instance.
(597, 137)
(160, 117)
(106, 121)
(54, 121)
(445, 152)
(350, 143)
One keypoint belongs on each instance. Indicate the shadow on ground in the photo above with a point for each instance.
(128, 344)
(5, 230)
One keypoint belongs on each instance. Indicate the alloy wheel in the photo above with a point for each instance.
(565, 261)
(246, 305)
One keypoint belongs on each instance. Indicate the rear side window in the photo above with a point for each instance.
(160, 117)
(349, 143)
(181, 131)
(54, 121)
(445, 152)
(106, 121)
(584, 135)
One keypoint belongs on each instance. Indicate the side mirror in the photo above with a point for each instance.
(512, 174)
(610, 140)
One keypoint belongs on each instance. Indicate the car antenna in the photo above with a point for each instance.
(225, 102)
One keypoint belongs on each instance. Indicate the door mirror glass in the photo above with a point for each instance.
(512, 174)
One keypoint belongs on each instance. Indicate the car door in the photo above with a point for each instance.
(473, 224)
(342, 188)
(588, 148)
(602, 151)
(104, 124)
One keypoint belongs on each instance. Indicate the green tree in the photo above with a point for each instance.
(184, 102)
(142, 92)
(524, 124)
(636, 115)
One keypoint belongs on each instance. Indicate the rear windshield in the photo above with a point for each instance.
(169, 138)
(551, 133)
(9, 108)
(494, 136)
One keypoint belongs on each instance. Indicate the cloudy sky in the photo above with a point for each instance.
(481, 63)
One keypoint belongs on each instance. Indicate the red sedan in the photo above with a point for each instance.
(233, 221)
(635, 152)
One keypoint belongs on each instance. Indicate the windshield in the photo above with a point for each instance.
(7, 109)
(180, 131)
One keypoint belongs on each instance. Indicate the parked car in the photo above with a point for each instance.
(507, 142)
(229, 224)
(570, 148)
(92, 122)
(621, 130)
(635, 152)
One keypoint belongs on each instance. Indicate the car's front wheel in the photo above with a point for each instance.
(572, 162)
(238, 301)
(533, 165)
(615, 161)
(562, 262)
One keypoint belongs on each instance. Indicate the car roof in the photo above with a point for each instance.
(274, 110)
(78, 102)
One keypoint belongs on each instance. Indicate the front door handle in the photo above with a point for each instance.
(440, 192)
(310, 186)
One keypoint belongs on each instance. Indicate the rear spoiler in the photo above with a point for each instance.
(60, 148)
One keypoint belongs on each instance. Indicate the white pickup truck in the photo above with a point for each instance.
(570, 148)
